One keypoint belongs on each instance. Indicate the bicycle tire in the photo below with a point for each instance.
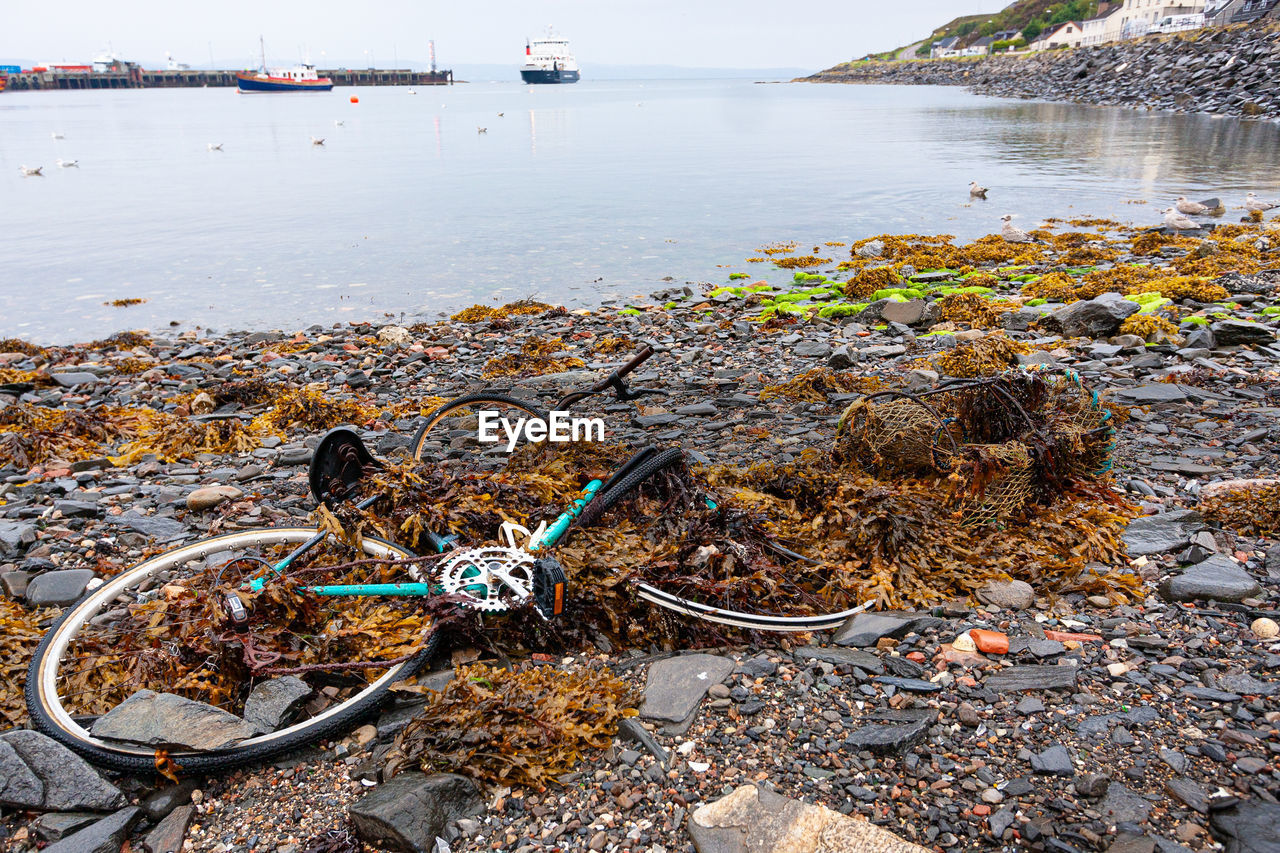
(633, 480)
(51, 718)
(469, 400)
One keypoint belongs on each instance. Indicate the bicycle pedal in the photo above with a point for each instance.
(549, 585)
(339, 462)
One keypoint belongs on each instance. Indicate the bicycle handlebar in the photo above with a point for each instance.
(639, 359)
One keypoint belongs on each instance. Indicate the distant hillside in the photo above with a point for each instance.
(1028, 17)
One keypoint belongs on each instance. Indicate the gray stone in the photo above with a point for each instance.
(883, 739)
(157, 526)
(1054, 761)
(1142, 395)
(272, 704)
(15, 537)
(56, 826)
(907, 313)
(105, 836)
(19, 787)
(1249, 827)
(1189, 793)
(1238, 332)
(167, 721)
(757, 820)
(864, 629)
(1156, 534)
(1218, 577)
(1096, 318)
(812, 349)
(843, 657)
(71, 379)
(410, 811)
(1019, 678)
(630, 729)
(69, 783)
(842, 357)
(1199, 337)
(1245, 684)
(1001, 820)
(58, 588)
(159, 804)
(1012, 595)
(676, 685)
(77, 509)
(168, 834)
(1122, 805)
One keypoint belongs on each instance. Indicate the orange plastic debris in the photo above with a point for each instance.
(990, 642)
(1063, 636)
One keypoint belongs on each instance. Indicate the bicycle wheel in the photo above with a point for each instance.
(452, 432)
(162, 626)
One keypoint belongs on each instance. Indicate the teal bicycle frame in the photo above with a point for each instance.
(547, 539)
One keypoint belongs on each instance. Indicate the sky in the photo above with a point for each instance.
(810, 34)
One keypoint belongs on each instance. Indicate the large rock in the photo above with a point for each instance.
(1218, 577)
(410, 811)
(15, 537)
(865, 629)
(843, 657)
(272, 704)
(1249, 827)
(1145, 395)
(20, 787)
(1122, 805)
(675, 686)
(1020, 678)
(1095, 318)
(168, 834)
(105, 836)
(166, 721)
(1012, 595)
(158, 526)
(67, 782)
(211, 496)
(1054, 761)
(907, 313)
(1238, 332)
(1156, 534)
(756, 820)
(887, 739)
(58, 588)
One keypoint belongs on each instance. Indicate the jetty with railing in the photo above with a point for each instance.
(128, 75)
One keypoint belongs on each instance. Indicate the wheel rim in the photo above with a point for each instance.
(450, 425)
(64, 633)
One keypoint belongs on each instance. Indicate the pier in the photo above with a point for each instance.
(134, 77)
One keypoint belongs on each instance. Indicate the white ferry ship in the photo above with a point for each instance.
(548, 60)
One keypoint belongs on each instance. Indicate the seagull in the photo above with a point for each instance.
(1175, 220)
(57, 135)
(339, 123)
(214, 146)
(1012, 233)
(1253, 204)
(976, 191)
(500, 115)
(1190, 208)
(413, 91)
(317, 140)
(31, 171)
(67, 164)
(482, 130)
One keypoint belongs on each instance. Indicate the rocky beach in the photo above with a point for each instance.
(1128, 705)
(1217, 71)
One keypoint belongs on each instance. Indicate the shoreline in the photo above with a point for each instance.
(890, 723)
(1183, 73)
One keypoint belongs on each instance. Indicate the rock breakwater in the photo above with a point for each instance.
(1223, 72)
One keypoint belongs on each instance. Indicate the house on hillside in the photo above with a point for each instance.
(1005, 35)
(1218, 13)
(1068, 34)
(1139, 17)
(1102, 29)
(1253, 10)
(981, 47)
(944, 48)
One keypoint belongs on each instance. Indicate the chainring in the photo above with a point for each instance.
(490, 579)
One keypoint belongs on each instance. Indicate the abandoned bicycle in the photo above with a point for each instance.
(238, 624)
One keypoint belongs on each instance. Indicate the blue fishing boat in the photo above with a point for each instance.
(300, 78)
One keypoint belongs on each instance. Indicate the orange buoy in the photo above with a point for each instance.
(354, 99)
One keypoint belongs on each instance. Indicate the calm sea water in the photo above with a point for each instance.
(574, 193)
